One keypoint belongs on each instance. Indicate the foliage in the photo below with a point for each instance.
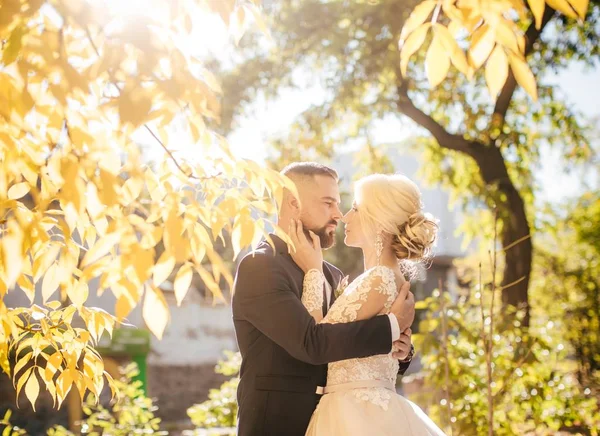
(486, 148)
(535, 392)
(80, 83)
(567, 289)
(7, 428)
(220, 410)
(493, 33)
(131, 413)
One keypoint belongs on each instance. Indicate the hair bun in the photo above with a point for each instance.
(416, 218)
(415, 237)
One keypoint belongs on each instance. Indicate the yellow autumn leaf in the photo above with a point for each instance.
(182, 282)
(23, 379)
(537, 8)
(131, 189)
(26, 286)
(198, 243)
(18, 190)
(237, 24)
(90, 236)
(209, 281)
(53, 363)
(258, 19)
(243, 232)
(581, 7)
(3, 289)
(78, 294)
(101, 248)
(417, 17)
(50, 282)
(51, 389)
(21, 363)
(89, 317)
(437, 62)
(523, 75)
(163, 268)
(457, 55)
(155, 311)
(111, 384)
(54, 305)
(482, 45)
(42, 262)
(32, 389)
(123, 307)
(506, 34)
(413, 43)
(151, 238)
(12, 253)
(134, 106)
(98, 320)
(562, 6)
(496, 71)
(63, 385)
(143, 261)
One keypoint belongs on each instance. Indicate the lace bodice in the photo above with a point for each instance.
(372, 293)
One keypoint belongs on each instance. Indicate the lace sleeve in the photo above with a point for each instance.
(312, 293)
(372, 295)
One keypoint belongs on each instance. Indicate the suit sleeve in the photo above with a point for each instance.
(262, 296)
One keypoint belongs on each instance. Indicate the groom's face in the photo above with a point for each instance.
(320, 198)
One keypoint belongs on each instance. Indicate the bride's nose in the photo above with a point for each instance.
(345, 217)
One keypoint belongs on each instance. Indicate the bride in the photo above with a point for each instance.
(387, 222)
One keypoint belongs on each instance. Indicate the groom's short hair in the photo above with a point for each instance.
(308, 169)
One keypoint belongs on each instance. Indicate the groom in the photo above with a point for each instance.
(284, 352)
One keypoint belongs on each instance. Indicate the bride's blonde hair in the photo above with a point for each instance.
(392, 204)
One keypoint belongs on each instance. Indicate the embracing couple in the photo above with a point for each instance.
(318, 363)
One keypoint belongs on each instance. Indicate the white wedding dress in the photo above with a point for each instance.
(360, 396)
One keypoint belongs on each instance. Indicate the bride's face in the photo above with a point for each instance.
(354, 234)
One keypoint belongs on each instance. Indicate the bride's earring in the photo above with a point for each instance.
(379, 247)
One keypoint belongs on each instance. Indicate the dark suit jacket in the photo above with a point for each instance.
(284, 352)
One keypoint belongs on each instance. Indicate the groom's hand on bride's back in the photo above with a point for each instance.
(404, 307)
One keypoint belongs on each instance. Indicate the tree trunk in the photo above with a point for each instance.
(515, 227)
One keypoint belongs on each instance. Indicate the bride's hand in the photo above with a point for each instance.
(308, 254)
(404, 345)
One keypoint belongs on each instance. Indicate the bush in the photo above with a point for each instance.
(7, 428)
(532, 387)
(220, 410)
(132, 413)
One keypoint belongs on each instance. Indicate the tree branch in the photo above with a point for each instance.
(531, 36)
(443, 137)
(114, 82)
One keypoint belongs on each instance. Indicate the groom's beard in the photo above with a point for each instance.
(326, 237)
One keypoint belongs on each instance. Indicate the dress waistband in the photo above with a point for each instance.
(360, 384)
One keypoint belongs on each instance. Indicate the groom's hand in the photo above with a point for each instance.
(404, 307)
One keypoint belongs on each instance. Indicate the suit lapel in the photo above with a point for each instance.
(282, 248)
(329, 276)
(331, 279)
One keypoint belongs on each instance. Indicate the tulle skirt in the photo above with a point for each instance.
(342, 413)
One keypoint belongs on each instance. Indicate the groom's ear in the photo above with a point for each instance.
(294, 203)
